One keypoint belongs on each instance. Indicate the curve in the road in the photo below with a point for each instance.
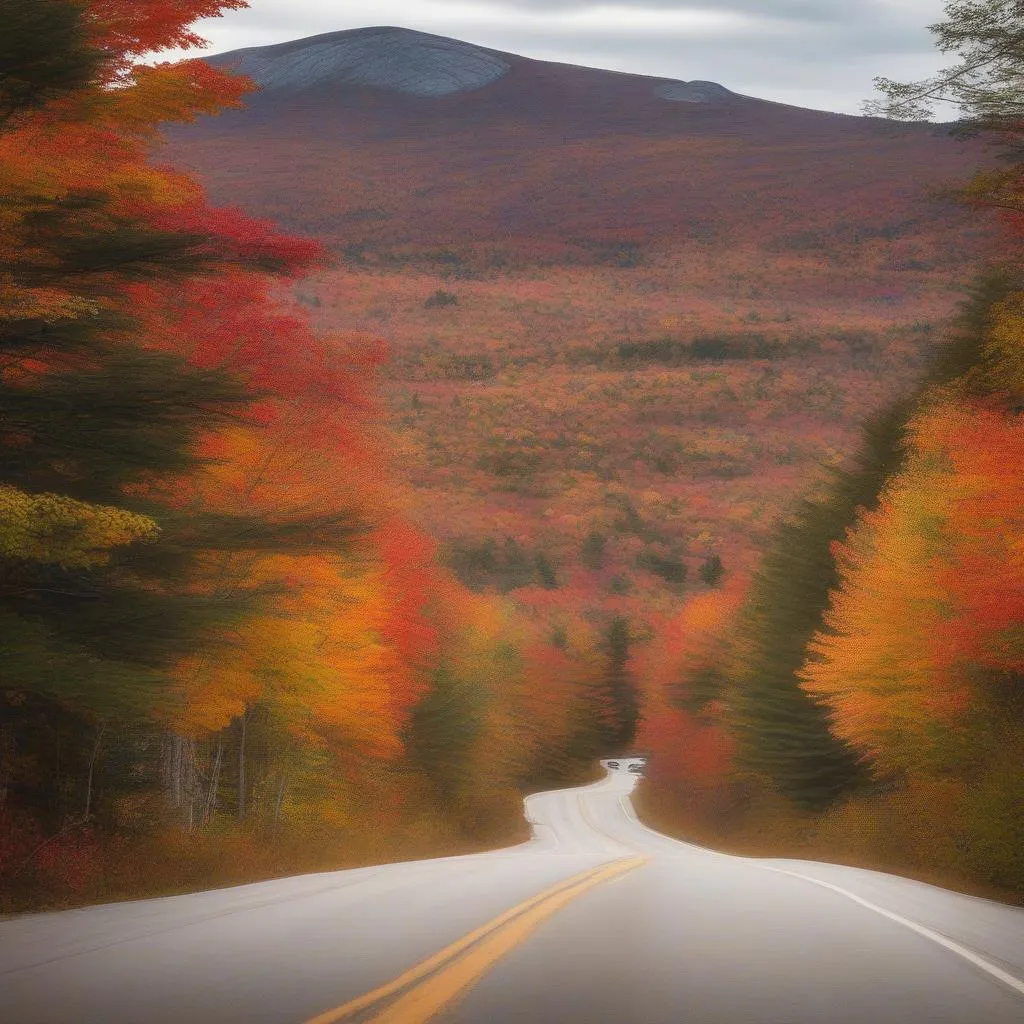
(593, 935)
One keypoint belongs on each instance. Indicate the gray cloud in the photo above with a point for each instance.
(801, 10)
(816, 53)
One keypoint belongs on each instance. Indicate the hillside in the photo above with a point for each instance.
(630, 317)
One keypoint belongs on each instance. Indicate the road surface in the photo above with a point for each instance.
(597, 919)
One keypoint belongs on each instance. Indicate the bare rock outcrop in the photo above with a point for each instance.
(692, 92)
(394, 59)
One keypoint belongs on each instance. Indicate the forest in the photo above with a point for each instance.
(323, 551)
(226, 651)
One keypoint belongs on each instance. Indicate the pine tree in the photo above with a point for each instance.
(592, 551)
(783, 733)
(621, 712)
(712, 571)
(546, 571)
(44, 54)
(442, 732)
(107, 567)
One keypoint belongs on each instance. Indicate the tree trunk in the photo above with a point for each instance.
(6, 760)
(241, 769)
(92, 767)
(174, 770)
(211, 796)
(279, 802)
(192, 784)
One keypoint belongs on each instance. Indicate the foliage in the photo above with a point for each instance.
(440, 298)
(712, 570)
(53, 529)
(619, 701)
(924, 629)
(784, 734)
(212, 602)
(208, 602)
(44, 54)
(988, 37)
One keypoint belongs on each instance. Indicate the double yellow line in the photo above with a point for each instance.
(424, 990)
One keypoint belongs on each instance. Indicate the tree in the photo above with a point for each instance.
(440, 298)
(618, 706)
(173, 555)
(45, 53)
(987, 84)
(87, 411)
(783, 733)
(784, 729)
(988, 36)
(592, 550)
(690, 746)
(712, 570)
(924, 628)
(546, 571)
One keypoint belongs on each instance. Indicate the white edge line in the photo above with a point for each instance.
(630, 811)
(595, 828)
(954, 947)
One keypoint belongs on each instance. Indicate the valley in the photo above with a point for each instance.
(624, 332)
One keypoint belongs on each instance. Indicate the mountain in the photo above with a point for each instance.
(391, 59)
(388, 136)
(410, 63)
(620, 307)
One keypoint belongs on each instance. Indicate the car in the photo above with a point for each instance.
(636, 769)
(613, 764)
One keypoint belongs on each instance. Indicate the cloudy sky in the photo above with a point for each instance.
(814, 53)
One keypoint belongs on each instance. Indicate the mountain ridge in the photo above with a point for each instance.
(608, 313)
(411, 62)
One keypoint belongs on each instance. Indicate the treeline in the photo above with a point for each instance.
(864, 698)
(223, 654)
(475, 262)
(433, 363)
(871, 677)
(482, 564)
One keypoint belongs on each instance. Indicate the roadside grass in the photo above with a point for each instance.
(905, 834)
(86, 871)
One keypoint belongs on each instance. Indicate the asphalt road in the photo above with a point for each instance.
(597, 919)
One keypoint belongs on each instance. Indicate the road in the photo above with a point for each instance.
(596, 919)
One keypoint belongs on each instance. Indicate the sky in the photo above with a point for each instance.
(812, 53)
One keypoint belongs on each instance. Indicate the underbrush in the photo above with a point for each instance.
(83, 867)
(923, 831)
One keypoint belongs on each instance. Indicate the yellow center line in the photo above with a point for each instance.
(447, 973)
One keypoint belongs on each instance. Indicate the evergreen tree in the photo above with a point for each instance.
(44, 54)
(712, 571)
(442, 732)
(517, 570)
(546, 572)
(592, 550)
(620, 712)
(783, 733)
(98, 600)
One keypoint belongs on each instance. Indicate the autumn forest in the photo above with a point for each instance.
(356, 482)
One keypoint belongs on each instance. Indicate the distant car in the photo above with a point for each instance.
(613, 764)
(636, 769)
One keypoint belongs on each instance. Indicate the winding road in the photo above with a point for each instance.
(596, 920)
